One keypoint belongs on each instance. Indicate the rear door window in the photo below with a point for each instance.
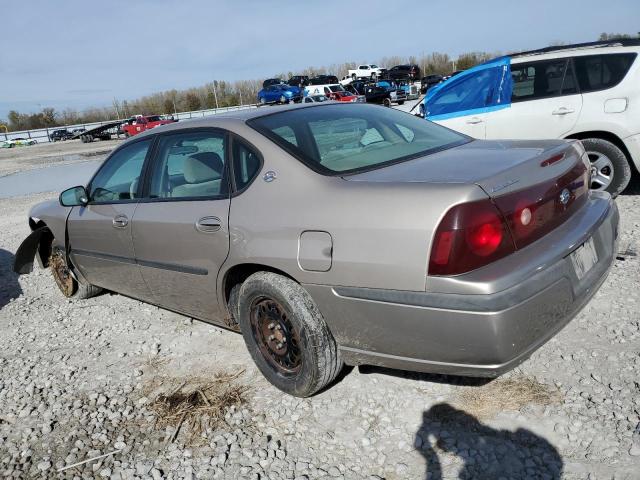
(246, 164)
(599, 72)
(535, 80)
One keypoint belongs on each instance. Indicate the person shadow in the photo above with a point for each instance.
(486, 453)
(9, 286)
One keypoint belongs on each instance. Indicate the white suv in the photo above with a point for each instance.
(589, 92)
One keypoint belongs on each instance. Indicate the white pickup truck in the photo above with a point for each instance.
(366, 71)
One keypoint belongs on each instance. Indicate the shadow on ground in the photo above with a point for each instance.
(484, 451)
(9, 286)
(426, 377)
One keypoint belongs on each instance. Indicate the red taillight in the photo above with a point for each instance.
(534, 212)
(472, 235)
(469, 236)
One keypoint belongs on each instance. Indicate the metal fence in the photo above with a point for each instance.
(41, 135)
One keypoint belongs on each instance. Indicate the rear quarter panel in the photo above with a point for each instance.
(381, 232)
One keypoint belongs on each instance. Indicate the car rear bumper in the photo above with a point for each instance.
(473, 334)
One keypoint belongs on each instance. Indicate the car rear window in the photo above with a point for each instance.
(339, 139)
(599, 72)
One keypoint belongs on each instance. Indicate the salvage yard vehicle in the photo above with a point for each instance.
(22, 142)
(589, 92)
(298, 80)
(323, 80)
(61, 134)
(384, 95)
(279, 93)
(315, 99)
(429, 81)
(339, 233)
(142, 123)
(368, 71)
(403, 72)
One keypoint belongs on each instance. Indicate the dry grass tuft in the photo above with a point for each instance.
(198, 403)
(506, 394)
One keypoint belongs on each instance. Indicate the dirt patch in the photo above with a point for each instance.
(197, 404)
(506, 394)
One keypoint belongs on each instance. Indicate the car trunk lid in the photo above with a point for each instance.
(536, 185)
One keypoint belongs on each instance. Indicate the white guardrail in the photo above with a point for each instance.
(41, 135)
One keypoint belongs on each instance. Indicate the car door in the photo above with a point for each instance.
(545, 102)
(100, 233)
(180, 228)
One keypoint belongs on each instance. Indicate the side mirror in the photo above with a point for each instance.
(74, 197)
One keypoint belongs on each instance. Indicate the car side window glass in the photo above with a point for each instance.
(190, 165)
(532, 81)
(246, 164)
(119, 178)
(599, 72)
(287, 133)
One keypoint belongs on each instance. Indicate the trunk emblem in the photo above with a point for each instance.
(565, 196)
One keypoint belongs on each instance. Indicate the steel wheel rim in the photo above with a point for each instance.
(601, 170)
(276, 337)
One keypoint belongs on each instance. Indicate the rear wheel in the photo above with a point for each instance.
(69, 287)
(286, 334)
(610, 169)
(386, 102)
(262, 101)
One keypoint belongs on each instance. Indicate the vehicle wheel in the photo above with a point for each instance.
(286, 335)
(610, 169)
(262, 101)
(401, 102)
(69, 287)
(283, 99)
(127, 134)
(374, 77)
(354, 76)
(386, 102)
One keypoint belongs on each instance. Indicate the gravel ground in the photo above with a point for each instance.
(19, 159)
(81, 379)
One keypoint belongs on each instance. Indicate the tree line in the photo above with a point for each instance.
(220, 93)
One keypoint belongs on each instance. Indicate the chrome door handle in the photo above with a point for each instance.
(562, 111)
(208, 224)
(474, 121)
(120, 221)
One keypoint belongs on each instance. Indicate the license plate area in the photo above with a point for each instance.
(584, 258)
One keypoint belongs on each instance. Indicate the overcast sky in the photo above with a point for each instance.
(85, 53)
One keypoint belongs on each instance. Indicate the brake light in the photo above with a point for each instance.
(534, 212)
(469, 236)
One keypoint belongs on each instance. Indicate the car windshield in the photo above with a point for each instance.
(338, 139)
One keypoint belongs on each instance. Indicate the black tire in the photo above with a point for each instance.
(374, 77)
(354, 76)
(386, 102)
(67, 285)
(401, 102)
(283, 99)
(605, 158)
(263, 101)
(309, 358)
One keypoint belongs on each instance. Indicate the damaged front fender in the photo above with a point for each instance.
(39, 241)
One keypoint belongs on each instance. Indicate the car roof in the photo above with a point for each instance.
(580, 49)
